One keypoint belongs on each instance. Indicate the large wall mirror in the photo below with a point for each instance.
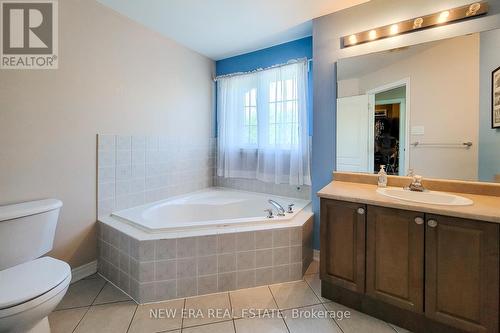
(430, 108)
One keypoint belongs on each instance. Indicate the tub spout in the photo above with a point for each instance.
(279, 208)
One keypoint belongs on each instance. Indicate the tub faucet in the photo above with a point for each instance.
(279, 208)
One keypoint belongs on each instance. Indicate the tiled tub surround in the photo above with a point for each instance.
(134, 170)
(153, 270)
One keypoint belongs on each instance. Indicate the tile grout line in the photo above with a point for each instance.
(132, 319)
(100, 304)
(205, 324)
(279, 310)
(100, 291)
(393, 328)
(232, 310)
(88, 309)
(334, 320)
(182, 314)
(320, 298)
(81, 319)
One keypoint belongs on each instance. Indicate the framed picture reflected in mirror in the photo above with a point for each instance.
(495, 98)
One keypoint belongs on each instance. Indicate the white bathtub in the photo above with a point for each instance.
(208, 209)
(213, 207)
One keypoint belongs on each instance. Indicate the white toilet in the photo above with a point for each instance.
(30, 286)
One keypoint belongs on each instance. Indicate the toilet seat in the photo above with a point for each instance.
(32, 283)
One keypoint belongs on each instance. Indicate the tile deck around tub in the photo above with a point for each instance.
(164, 269)
(88, 309)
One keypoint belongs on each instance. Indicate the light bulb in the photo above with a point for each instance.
(443, 16)
(394, 29)
(353, 39)
(372, 34)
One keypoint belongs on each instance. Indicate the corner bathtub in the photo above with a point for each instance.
(204, 242)
(210, 208)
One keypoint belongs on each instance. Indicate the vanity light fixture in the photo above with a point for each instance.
(423, 22)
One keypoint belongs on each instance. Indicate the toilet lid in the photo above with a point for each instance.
(27, 281)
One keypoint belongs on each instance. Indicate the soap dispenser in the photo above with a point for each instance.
(382, 177)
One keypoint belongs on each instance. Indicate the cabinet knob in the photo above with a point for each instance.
(361, 211)
(432, 223)
(419, 220)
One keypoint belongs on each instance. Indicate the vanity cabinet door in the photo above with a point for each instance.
(395, 257)
(342, 252)
(462, 273)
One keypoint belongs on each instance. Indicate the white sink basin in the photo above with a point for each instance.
(427, 197)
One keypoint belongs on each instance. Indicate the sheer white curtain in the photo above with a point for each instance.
(263, 125)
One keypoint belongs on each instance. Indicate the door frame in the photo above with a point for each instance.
(371, 98)
(402, 149)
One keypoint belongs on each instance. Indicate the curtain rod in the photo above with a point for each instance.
(289, 62)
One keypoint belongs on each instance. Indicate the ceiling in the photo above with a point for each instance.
(220, 29)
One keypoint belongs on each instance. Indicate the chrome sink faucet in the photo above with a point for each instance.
(279, 208)
(416, 184)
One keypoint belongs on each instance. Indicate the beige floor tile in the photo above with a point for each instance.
(207, 309)
(399, 329)
(252, 299)
(315, 283)
(111, 294)
(359, 322)
(253, 325)
(65, 321)
(293, 295)
(313, 268)
(169, 317)
(223, 327)
(113, 318)
(81, 293)
(300, 321)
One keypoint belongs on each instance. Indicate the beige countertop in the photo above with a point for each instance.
(485, 207)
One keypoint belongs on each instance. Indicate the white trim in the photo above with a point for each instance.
(83, 271)
(401, 83)
(316, 255)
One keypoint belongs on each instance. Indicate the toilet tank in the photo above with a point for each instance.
(27, 230)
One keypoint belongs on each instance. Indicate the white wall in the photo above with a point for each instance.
(489, 138)
(114, 77)
(444, 99)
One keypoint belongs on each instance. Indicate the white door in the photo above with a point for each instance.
(353, 144)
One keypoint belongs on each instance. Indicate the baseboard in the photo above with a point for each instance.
(316, 255)
(83, 271)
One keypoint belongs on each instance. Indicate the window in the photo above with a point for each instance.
(283, 113)
(250, 118)
(262, 125)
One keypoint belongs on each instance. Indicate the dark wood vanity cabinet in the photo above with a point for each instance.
(343, 242)
(395, 257)
(426, 272)
(462, 273)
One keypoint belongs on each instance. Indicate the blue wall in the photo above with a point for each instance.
(279, 54)
(300, 48)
